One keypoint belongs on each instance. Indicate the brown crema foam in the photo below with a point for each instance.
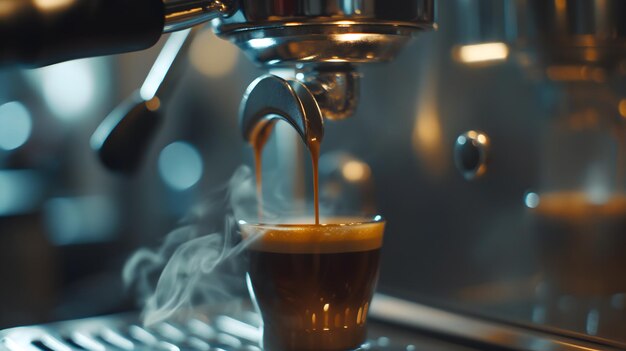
(335, 236)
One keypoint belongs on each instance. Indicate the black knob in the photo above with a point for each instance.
(38, 33)
(121, 140)
(471, 151)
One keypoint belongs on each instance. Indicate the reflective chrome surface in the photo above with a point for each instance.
(490, 333)
(293, 32)
(572, 32)
(471, 154)
(536, 242)
(182, 14)
(336, 88)
(212, 330)
(269, 98)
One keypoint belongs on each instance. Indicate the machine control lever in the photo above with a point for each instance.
(123, 137)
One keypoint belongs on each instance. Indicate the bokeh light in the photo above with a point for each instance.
(69, 88)
(212, 56)
(531, 199)
(180, 165)
(15, 125)
(355, 171)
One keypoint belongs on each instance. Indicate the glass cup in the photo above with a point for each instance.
(313, 284)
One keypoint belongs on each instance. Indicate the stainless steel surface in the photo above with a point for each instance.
(424, 328)
(183, 14)
(452, 325)
(336, 88)
(269, 98)
(537, 241)
(292, 34)
(289, 33)
(571, 33)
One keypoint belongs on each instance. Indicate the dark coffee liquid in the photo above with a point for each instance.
(313, 293)
(313, 301)
(314, 149)
(258, 140)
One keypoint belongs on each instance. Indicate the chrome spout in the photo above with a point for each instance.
(270, 98)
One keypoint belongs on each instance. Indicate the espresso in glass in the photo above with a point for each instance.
(313, 283)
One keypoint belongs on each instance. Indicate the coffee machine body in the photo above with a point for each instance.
(492, 143)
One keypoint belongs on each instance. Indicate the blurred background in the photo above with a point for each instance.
(495, 154)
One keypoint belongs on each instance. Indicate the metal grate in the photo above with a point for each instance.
(125, 333)
(395, 325)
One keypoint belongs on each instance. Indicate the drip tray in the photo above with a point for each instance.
(231, 332)
(395, 324)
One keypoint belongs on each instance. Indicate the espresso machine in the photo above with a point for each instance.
(492, 141)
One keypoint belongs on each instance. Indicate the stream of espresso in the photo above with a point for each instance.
(258, 140)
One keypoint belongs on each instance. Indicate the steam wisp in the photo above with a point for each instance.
(197, 264)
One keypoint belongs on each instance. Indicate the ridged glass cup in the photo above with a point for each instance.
(313, 284)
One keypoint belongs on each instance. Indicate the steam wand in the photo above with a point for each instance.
(123, 137)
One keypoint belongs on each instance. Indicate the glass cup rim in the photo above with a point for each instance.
(352, 220)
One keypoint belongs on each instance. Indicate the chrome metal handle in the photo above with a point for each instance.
(182, 14)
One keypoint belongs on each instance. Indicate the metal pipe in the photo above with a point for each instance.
(182, 14)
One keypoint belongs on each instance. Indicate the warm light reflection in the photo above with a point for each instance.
(591, 54)
(481, 53)
(560, 5)
(153, 104)
(482, 138)
(622, 107)
(52, 5)
(428, 130)
(7, 7)
(580, 206)
(326, 317)
(352, 36)
(355, 171)
(585, 119)
(428, 134)
(571, 73)
(212, 56)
